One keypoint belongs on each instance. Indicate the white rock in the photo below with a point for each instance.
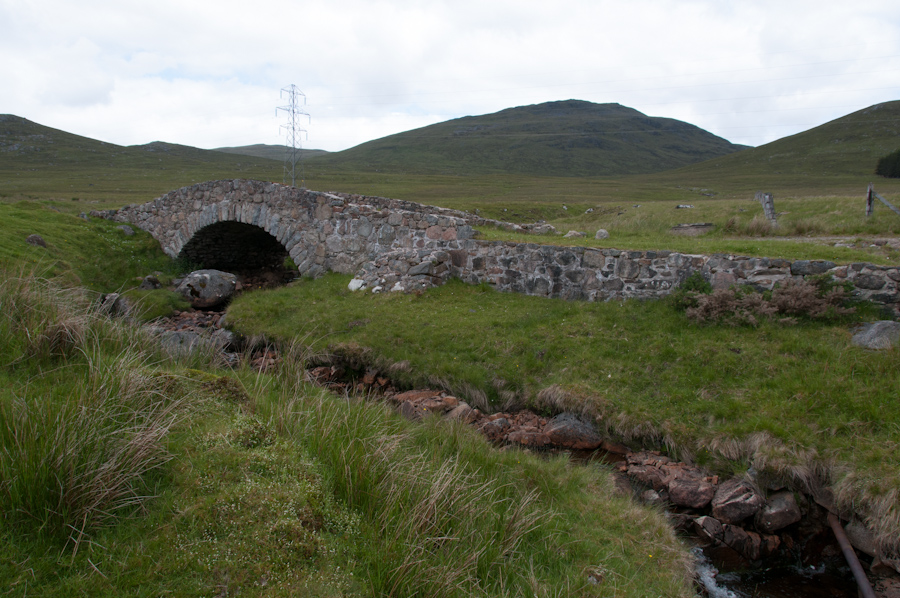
(356, 284)
(602, 234)
(397, 288)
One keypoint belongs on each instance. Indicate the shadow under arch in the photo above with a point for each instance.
(234, 246)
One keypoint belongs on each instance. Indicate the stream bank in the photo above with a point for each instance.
(768, 540)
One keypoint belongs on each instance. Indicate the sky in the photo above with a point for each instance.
(212, 73)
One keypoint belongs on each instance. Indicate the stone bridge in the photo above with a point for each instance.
(242, 225)
(390, 244)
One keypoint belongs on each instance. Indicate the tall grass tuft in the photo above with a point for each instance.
(441, 527)
(80, 439)
(68, 466)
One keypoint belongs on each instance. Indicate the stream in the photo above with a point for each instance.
(810, 566)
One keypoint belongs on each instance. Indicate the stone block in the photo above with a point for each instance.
(735, 500)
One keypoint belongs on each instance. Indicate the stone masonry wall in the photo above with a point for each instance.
(399, 245)
(320, 231)
(604, 274)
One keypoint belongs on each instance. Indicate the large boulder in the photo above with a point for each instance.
(811, 267)
(883, 334)
(750, 545)
(780, 511)
(36, 240)
(567, 431)
(735, 500)
(207, 288)
(114, 305)
(691, 492)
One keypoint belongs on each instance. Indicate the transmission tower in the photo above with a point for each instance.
(293, 163)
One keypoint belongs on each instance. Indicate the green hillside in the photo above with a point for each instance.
(39, 161)
(270, 152)
(569, 138)
(848, 146)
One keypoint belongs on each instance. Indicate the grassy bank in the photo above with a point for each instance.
(797, 402)
(125, 472)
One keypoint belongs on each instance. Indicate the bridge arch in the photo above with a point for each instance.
(231, 224)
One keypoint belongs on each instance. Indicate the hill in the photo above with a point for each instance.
(568, 138)
(271, 152)
(850, 145)
(36, 160)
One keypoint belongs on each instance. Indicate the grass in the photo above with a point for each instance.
(92, 253)
(796, 402)
(82, 425)
(125, 473)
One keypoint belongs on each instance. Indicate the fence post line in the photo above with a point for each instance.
(870, 199)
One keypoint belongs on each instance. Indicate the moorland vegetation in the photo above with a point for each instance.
(125, 468)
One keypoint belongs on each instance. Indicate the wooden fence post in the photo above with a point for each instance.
(870, 199)
(768, 203)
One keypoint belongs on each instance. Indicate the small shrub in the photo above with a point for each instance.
(817, 298)
(813, 299)
(889, 165)
(688, 292)
(733, 306)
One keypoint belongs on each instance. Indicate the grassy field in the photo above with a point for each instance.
(127, 473)
(341, 480)
(793, 402)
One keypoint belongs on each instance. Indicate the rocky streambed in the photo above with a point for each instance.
(741, 523)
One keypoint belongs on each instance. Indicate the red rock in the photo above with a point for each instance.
(709, 528)
(439, 404)
(531, 437)
(751, 545)
(463, 413)
(614, 448)
(647, 475)
(409, 411)
(416, 395)
(495, 430)
(690, 492)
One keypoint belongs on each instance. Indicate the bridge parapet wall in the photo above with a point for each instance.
(392, 244)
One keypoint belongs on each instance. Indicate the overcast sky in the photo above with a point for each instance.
(209, 73)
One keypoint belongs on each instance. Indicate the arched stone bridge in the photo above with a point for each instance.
(242, 224)
(390, 244)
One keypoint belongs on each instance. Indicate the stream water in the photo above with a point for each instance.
(830, 579)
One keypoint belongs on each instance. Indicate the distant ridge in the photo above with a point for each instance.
(270, 152)
(567, 138)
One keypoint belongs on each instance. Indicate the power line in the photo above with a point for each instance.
(293, 132)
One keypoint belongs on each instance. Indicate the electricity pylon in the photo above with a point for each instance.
(293, 163)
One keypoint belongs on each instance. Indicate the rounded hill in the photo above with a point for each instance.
(566, 138)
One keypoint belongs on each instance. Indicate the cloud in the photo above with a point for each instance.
(208, 73)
